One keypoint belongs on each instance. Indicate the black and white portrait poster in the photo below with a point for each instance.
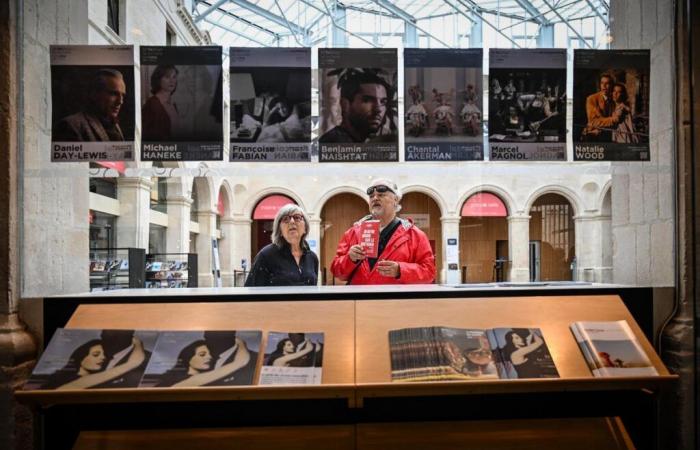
(443, 104)
(270, 104)
(611, 105)
(358, 105)
(92, 103)
(203, 358)
(292, 358)
(181, 104)
(527, 105)
(86, 359)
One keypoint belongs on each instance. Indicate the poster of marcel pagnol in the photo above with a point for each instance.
(92, 103)
(611, 105)
(270, 104)
(527, 104)
(443, 104)
(358, 105)
(181, 104)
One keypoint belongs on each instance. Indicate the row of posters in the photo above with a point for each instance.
(182, 108)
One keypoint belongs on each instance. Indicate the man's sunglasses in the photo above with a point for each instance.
(297, 218)
(380, 189)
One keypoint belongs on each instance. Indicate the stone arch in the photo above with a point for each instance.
(565, 192)
(605, 196)
(434, 195)
(228, 197)
(332, 193)
(203, 187)
(501, 193)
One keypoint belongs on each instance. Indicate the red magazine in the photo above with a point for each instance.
(369, 237)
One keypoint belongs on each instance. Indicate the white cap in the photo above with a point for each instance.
(388, 183)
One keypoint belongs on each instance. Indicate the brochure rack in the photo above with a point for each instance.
(356, 390)
(171, 270)
(116, 268)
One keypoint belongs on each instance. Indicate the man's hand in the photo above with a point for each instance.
(388, 268)
(356, 253)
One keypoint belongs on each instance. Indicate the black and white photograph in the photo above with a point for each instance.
(92, 103)
(203, 358)
(523, 353)
(611, 105)
(292, 358)
(443, 104)
(527, 104)
(270, 104)
(358, 105)
(87, 359)
(181, 104)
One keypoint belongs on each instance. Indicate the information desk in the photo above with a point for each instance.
(356, 389)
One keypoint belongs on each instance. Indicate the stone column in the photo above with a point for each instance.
(591, 248)
(207, 232)
(226, 250)
(519, 247)
(241, 243)
(314, 240)
(134, 212)
(177, 237)
(450, 231)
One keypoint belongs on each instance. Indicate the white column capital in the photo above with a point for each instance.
(591, 217)
(178, 200)
(135, 182)
(241, 221)
(518, 218)
(227, 221)
(450, 219)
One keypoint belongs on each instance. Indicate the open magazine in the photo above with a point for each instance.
(292, 358)
(441, 353)
(611, 349)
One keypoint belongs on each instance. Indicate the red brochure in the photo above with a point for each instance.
(369, 237)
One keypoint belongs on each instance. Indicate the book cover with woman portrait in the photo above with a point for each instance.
(292, 358)
(84, 359)
(523, 353)
(203, 358)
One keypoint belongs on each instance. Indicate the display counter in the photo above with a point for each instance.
(356, 389)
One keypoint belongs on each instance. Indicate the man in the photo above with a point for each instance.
(600, 112)
(364, 97)
(405, 256)
(222, 346)
(118, 345)
(99, 121)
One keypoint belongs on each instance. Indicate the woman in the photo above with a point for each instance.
(288, 260)
(85, 367)
(523, 355)
(285, 353)
(624, 133)
(159, 115)
(194, 366)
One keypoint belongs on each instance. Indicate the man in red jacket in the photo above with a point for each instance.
(405, 256)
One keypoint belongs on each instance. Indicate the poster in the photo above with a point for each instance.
(92, 103)
(181, 104)
(358, 105)
(611, 105)
(443, 110)
(270, 104)
(527, 105)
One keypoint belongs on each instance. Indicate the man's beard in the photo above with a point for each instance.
(363, 124)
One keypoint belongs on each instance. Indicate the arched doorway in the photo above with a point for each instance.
(263, 217)
(425, 213)
(483, 239)
(338, 214)
(223, 238)
(552, 239)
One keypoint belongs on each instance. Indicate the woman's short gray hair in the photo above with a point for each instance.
(287, 210)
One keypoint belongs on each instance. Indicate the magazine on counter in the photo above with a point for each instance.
(85, 359)
(292, 358)
(442, 353)
(611, 349)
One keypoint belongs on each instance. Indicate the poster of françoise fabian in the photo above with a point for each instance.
(270, 104)
(527, 104)
(358, 105)
(443, 104)
(92, 98)
(611, 105)
(181, 104)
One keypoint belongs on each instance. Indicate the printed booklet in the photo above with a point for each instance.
(611, 349)
(292, 358)
(441, 353)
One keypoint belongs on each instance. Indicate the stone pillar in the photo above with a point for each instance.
(207, 232)
(177, 237)
(241, 243)
(519, 247)
(450, 234)
(314, 240)
(134, 212)
(590, 248)
(226, 250)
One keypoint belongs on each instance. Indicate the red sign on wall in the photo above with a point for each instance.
(268, 207)
(484, 204)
